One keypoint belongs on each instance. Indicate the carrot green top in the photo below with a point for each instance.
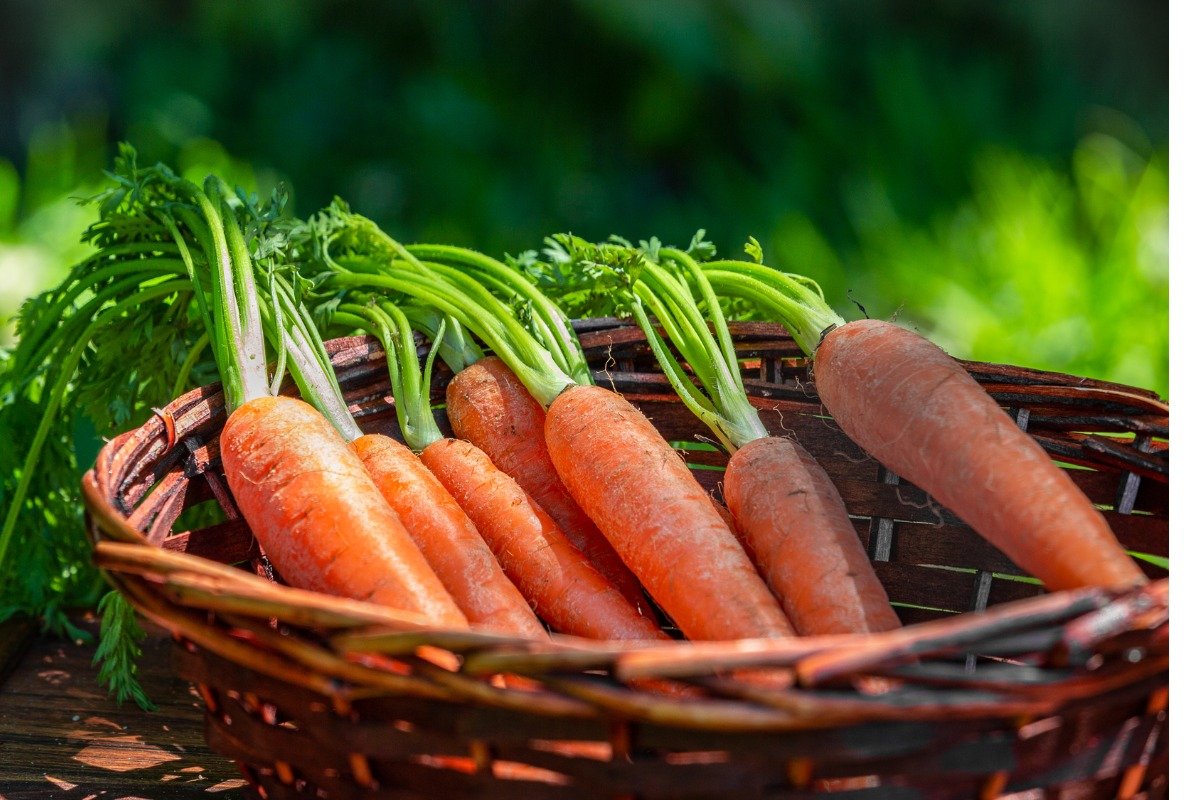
(679, 287)
(237, 334)
(719, 399)
(796, 302)
(410, 384)
(355, 255)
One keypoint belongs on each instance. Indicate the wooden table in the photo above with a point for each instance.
(62, 737)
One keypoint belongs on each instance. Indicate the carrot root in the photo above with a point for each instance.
(794, 524)
(490, 408)
(447, 537)
(633, 485)
(917, 411)
(561, 586)
(316, 513)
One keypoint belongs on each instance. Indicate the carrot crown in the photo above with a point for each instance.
(410, 384)
(719, 399)
(796, 302)
(458, 349)
(357, 257)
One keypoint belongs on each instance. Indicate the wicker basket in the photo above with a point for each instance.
(1039, 696)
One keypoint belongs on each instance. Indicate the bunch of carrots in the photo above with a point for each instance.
(557, 505)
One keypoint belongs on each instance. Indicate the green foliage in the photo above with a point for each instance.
(753, 249)
(490, 124)
(837, 134)
(585, 279)
(119, 650)
(103, 347)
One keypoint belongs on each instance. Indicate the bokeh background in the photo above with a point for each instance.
(991, 173)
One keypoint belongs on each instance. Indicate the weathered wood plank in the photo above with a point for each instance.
(61, 736)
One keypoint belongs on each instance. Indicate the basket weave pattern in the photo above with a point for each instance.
(1055, 696)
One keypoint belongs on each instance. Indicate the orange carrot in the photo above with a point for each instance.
(794, 523)
(783, 507)
(550, 573)
(561, 585)
(444, 534)
(639, 492)
(303, 492)
(492, 410)
(726, 516)
(916, 410)
(447, 537)
(615, 464)
(318, 516)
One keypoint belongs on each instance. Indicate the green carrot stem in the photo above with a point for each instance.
(458, 348)
(542, 339)
(241, 348)
(720, 401)
(805, 282)
(301, 348)
(36, 345)
(189, 264)
(89, 276)
(410, 386)
(348, 316)
(785, 298)
(359, 223)
(720, 327)
(419, 415)
(305, 329)
(463, 300)
(680, 381)
(423, 425)
(542, 328)
(558, 336)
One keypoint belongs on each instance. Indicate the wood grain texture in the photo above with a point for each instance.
(63, 738)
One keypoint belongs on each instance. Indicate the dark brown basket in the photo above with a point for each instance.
(1037, 696)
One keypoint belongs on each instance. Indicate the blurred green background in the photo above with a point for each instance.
(991, 173)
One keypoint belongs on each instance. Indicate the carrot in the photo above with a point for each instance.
(303, 492)
(916, 410)
(318, 516)
(443, 534)
(616, 465)
(490, 408)
(524, 542)
(638, 490)
(726, 516)
(800, 534)
(447, 537)
(563, 587)
(786, 511)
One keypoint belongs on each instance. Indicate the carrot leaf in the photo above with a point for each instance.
(119, 650)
